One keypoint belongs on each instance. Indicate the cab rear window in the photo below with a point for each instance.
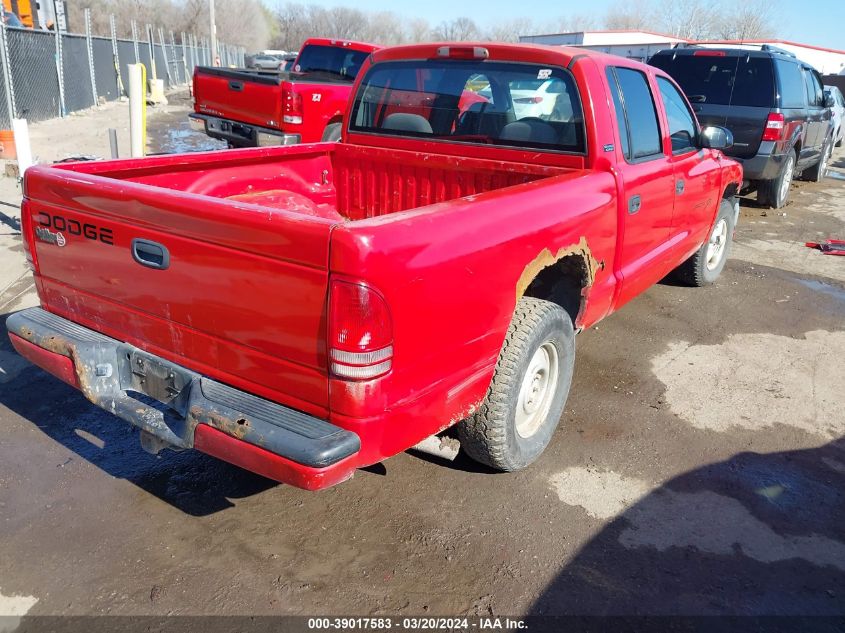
(331, 60)
(738, 80)
(472, 101)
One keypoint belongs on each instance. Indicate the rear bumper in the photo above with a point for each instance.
(765, 165)
(177, 408)
(240, 134)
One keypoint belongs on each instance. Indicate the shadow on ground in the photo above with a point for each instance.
(190, 481)
(758, 534)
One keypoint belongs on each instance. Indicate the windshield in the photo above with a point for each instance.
(335, 60)
(474, 101)
(729, 80)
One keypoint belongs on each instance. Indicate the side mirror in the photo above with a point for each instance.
(715, 137)
(829, 101)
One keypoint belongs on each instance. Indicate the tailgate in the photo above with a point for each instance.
(747, 124)
(229, 290)
(240, 96)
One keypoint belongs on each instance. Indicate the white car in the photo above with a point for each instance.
(535, 97)
(838, 111)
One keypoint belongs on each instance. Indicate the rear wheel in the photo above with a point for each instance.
(817, 171)
(332, 133)
(775, 193)
(530, 385)
(705, 266)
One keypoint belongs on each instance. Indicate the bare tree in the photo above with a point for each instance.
(636, 15)
(456, 30)
(688, 19)
(419, 30)
(754, 20)
(575, 23)
(510, 30)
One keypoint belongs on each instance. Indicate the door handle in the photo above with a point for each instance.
(150, 254)
(679, 187)
(634, 204)
(237, 86)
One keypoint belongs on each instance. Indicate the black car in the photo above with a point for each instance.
(772, 102)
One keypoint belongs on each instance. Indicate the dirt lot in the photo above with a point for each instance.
(699, 468)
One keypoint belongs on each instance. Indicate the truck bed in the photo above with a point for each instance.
(338, 182)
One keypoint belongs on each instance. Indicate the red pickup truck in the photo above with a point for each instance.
(305, 311)
(248, 108)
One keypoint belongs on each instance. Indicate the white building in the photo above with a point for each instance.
(641, 45)
(638, 45)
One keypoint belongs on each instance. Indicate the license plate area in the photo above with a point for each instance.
(158, 379)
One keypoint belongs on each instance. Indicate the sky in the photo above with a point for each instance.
(824, 25)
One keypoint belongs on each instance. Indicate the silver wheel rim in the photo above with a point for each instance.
(537, 390)
(717, 243)
(823, 166)
(787, 178)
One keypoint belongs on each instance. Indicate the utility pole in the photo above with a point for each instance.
(213, 33)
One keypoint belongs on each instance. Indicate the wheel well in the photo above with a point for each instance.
(730, 191)
(566, 283)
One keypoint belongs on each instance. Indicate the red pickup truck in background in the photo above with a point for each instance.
(305, 311)
(248, 108)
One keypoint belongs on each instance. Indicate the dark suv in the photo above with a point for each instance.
(773, 103)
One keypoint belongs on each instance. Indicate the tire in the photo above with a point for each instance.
(775, 193)
(705, 266)
(332, 133)
(511, 429)
(816, 172)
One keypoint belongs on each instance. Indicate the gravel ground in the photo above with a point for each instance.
(699, 468)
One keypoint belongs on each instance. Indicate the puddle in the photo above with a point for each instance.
(181, 139)
(835, 175)
(820, 286)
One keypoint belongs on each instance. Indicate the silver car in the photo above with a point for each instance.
(838, 112)
(266, 62)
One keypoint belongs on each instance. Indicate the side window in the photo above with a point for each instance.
(791, 86)
(815, 96)
(681, 122)
(621, 120)
(641, 113)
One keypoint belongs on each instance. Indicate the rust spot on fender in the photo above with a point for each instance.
(546, 258)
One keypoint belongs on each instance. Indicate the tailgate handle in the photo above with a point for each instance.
(150, 254)
(236, 86)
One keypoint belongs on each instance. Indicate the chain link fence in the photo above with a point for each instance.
(43, 78)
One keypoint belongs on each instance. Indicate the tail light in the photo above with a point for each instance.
(708, 54)
(292, 107)
(360, 331)
(529, 100)
(27, 233)
(774, 127)
(463, 52)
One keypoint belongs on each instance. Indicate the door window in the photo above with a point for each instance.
(641, 114)
(791, 85)
(682, 129)
(621, 120)
(815, 95)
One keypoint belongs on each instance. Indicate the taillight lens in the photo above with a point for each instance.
(774, 127)
(529, 100)
(360, 331)
(26, 233)
(292, 107)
